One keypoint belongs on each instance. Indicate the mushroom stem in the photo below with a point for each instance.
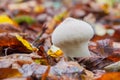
(77, 50)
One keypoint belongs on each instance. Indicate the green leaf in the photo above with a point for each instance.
(24, 18)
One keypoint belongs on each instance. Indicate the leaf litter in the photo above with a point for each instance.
(25, 40)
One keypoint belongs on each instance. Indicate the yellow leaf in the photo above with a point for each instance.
(60, 16)
(5, 19)
(110, 3)
(105, 8)
(41, 61)
(55, 51)
(24, 42)
(39, 9)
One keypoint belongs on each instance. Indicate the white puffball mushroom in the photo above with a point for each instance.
(72, 37)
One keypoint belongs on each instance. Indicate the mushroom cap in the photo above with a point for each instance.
(72, 31)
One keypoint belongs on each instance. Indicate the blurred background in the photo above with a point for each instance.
(103, 15)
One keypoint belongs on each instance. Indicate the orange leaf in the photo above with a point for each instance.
(9, 73)
(15, 42)
(110, 76)
(114, 58)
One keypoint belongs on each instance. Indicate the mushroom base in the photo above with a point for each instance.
(76, 50)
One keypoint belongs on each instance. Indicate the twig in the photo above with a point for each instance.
(40, 34)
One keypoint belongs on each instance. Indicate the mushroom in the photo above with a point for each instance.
(72, 37)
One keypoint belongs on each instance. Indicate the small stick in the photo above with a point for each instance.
(40, 34)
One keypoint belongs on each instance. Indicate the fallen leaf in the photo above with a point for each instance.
(25, 6)
(9, 73)
(58, 18)
(114, 67)
(114, 58)
(14, 42)
(5, 63)
(41, 61)
(105, 8)
(24, 19)
(105, 47)
(93, 63)
(55, 52)
(24, 42)
(87, 76)
(44, 76)
(9, 28)
(110, 76)
(17, 79)
(70, 70)
(5, 19)
(39, 9)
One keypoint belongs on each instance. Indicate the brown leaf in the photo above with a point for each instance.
(92, 63)
(9, 28)
(12, 43)
(46, 59)
(105, 47)
(116, 35)
(114, 58)
(8, 39)
(8, 73)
